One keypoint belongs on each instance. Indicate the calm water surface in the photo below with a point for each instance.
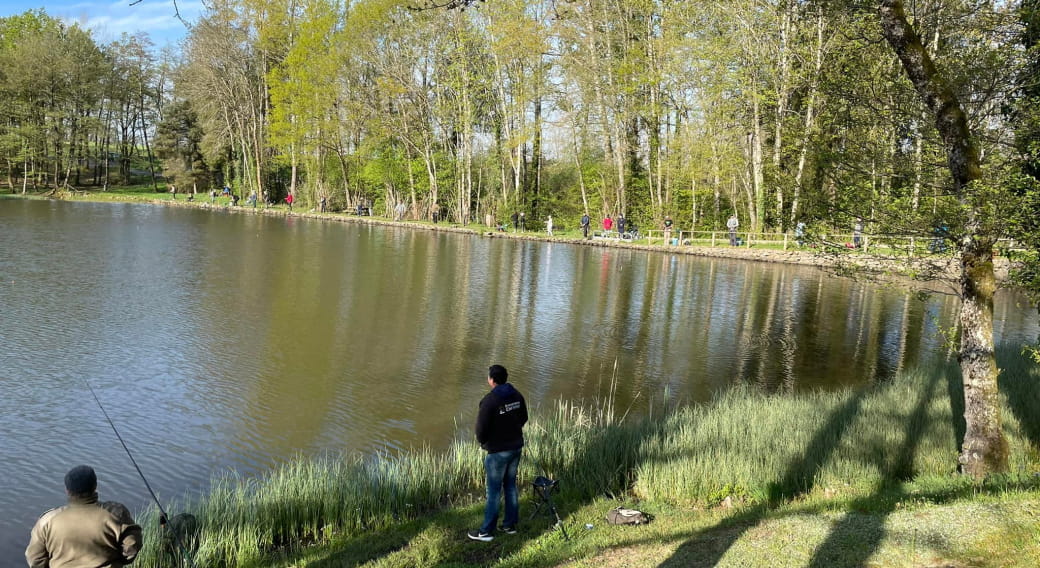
(221, 341)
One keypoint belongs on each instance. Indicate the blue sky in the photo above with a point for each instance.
(111, 18)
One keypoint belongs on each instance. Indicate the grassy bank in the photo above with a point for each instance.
(842, 261)
(840, 463)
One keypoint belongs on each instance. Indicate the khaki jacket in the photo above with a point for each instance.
(84, 534)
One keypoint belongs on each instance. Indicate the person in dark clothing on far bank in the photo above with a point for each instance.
(500, 431)
(86, 532)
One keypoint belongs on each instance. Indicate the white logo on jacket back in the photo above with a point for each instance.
(509, 407)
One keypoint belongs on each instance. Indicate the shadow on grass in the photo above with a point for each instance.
(1020, 383)
(370, 546)
(955, 391)
(856, 537)
(798, 479)
(859, 533)
(887, 498)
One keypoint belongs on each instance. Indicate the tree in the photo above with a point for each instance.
(224, 78)
(984, 449)
(178, 141)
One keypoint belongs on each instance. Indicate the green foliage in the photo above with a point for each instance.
(178, 140)
(20, 27)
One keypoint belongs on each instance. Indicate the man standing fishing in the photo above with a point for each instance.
(732, 225)
(500, 431)
(86, 532)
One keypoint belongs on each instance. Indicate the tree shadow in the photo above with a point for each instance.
(368, 546)
(605, 466)
(955, 391)
(701, 540)
(1021, 386)
(710, 545)
(856, 537)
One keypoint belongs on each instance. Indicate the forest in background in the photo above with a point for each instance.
(776, 110)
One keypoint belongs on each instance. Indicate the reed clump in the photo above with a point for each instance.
(745, 446)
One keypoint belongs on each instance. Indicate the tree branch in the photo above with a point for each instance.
(950, 119)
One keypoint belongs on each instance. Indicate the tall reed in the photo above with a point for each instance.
(756, 447)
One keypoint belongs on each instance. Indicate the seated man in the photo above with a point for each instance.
(85, 532)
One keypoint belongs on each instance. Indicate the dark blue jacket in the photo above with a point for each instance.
(501, 419)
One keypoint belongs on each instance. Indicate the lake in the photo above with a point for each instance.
(219, 341)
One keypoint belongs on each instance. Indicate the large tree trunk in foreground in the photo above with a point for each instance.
(984, 449)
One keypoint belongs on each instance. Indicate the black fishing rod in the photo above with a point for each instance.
(163, 518)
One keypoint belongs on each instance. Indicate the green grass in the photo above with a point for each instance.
(992, 529)
(849, 460)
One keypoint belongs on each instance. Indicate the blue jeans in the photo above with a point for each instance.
(500, 468)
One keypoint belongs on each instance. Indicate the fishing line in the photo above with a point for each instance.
(163, 517)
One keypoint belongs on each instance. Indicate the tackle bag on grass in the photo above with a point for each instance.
(623, 516)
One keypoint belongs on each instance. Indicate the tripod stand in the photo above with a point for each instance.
(543, 488)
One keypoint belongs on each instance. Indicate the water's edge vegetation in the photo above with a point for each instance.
(753, 450)
(917, 272)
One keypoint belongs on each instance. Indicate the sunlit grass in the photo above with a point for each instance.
(750, 447)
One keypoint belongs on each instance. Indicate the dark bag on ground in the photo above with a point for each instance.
(623, 516)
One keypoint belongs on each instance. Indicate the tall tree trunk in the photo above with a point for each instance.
(716, 181)
(693, 205)
(581, 177)
(915, 200)
(148, 149)
(782, 95)
(810, 110)
(984, 449)
(414, 206)
(758, 204)
(536, 157)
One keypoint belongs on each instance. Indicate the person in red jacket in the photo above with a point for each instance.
(608, 223)
(500, 431)
(289, 200)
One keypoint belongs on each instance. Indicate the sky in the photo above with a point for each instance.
(109, 19)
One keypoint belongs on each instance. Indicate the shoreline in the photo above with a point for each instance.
(926, 274)
(934, 273)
